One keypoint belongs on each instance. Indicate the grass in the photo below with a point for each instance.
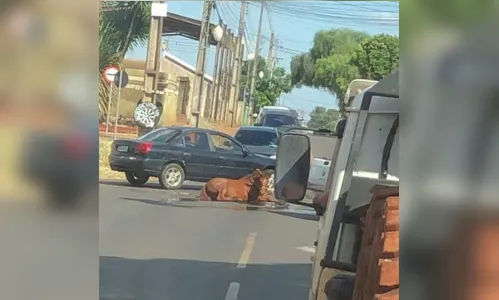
(104, 150)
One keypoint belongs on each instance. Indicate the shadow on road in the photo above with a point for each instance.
(179, 279)
(195, 203)
(298, 215)
(147, 185)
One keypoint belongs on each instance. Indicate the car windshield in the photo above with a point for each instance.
(164, 134)
(257, 137)
(278, 120)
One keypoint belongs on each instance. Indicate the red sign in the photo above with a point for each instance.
(109, 73)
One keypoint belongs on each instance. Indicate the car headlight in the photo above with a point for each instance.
(273, 156)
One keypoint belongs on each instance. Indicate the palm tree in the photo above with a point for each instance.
(122, 26)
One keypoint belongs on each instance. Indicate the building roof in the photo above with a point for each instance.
(184, 64)
(141, 64)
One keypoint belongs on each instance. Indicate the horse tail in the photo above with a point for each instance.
(203, 196)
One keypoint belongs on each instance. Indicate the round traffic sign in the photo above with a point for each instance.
(109, 73)
(121, 83)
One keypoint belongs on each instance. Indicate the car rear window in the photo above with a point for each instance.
(257, 137)
(278, 120)
(159, 135)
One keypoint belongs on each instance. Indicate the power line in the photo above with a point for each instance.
(310, 11)
(269, 16)
(230, 18)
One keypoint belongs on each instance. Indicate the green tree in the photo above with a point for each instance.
(339, 56)
(122, 26)
(322, 118)
(377, 56)
(269, 88)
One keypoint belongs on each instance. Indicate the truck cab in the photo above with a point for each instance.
(365, 154)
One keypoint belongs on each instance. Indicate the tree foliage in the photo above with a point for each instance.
(322, 118)
(269, 88)
(122, 26)
(339, 56)
(377, 56)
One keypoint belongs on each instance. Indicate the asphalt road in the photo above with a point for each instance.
(157, 244)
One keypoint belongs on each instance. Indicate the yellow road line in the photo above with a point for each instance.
(248, 248)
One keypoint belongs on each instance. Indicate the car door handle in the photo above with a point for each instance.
(186, 154)
(222, 158)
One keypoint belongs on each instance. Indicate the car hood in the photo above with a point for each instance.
(263, 150)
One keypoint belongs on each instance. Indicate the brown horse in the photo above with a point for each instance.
(250, 188)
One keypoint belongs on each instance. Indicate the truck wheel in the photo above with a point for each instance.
(172, 176)
(340, 287)
(135, 180)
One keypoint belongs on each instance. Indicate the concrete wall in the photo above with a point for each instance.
(174, 70)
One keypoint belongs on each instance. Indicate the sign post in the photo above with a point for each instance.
(108, 76)
(120, 81)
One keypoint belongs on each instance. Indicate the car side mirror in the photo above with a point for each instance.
(245, 153)
(340, 128)
(292, 167)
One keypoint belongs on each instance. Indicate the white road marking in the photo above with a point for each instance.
(232, 291)
(248, 248)
(306, 249)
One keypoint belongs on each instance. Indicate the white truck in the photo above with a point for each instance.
(365, 154)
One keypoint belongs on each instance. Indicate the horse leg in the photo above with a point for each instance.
(221, 194)
(203, 196)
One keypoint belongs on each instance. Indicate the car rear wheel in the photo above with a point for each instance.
(172, 176)
(135, 180)
(270, 184)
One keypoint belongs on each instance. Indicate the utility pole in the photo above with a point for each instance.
(153, 61)
(270, 55)
(228, 75)
(255, 61)
(221, 77)
(216, 80)
(237, 67)
(195, 98)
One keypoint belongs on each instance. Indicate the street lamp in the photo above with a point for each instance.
(251, 56)
(260, 75)
(218, 33)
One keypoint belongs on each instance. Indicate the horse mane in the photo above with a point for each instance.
(254, 191)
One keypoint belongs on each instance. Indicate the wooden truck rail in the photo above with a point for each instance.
(377, 269)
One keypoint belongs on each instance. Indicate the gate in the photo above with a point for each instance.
(183, 95)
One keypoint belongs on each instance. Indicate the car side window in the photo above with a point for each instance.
(179, 142)
(224, 144)
(197, 140)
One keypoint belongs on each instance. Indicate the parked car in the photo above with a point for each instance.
(277, 118)
(176, 154)
(259, 139)
(63, 163)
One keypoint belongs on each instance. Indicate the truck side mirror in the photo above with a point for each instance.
(340, 128)
(292, 167)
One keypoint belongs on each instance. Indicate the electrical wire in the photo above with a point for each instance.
(231, 20)
(323, 11)
(269, 17)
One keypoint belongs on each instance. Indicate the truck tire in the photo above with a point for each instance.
(340, 287)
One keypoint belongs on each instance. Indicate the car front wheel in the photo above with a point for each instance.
(172, 176)
(135, 180)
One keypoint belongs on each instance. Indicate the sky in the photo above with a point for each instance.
(295, 24)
